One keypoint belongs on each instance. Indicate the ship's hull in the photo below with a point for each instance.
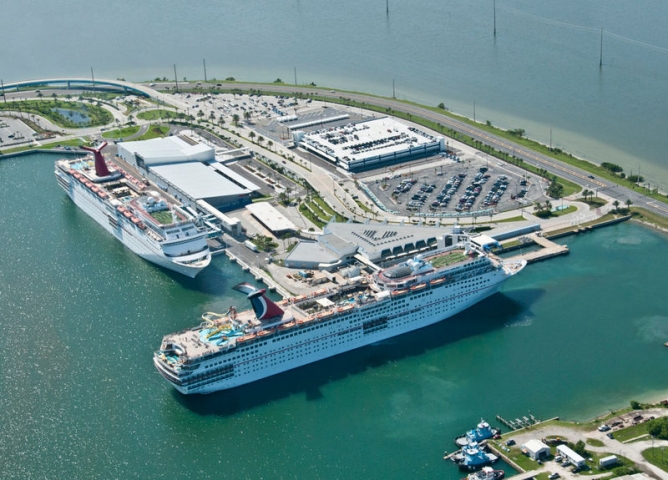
(354, 329)
(129, 235)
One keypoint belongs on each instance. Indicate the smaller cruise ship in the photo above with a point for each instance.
(131, 209)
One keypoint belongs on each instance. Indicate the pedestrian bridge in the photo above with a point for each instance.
(80, 84)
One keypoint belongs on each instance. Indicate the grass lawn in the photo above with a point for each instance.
(155, 131)
(122, 132)
(630, 432)
(594, 442)
(657, 456)
(157, 114)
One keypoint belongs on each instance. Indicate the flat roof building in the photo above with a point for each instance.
(370, 144)
(189, 171)
(572, 457)
(271, 218)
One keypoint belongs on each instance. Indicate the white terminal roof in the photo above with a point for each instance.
(534, 445)
(198, 180)
(376, 137)
(270, 217)
(171, 149)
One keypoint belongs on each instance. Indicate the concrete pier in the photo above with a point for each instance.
(549, 249)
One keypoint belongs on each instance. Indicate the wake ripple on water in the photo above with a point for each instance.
(653, 328)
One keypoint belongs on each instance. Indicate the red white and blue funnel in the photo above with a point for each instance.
(263, 307)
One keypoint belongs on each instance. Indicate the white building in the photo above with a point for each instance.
(607, 462)
(572, 457)
(536, 449)
(370, 144)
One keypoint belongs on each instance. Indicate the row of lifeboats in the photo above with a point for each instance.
(292, 324)
(139, 185)
(89, 185)
(418, 287)
(128, 214)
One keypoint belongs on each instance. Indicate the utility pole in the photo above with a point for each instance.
(494, 18)
(600, 57)
(92, 76)
(204, 63)
(176, 79)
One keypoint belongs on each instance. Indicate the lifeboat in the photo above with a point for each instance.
(102, 194)
(246, 338)
(134, 220)
(398, 293)
(127, 214)
(141, 225)
(346, 308)
(437, 281)
(324, 314)
(120, 208)
(287, 326)
(417, 288)
(305, 320)
(264, 333)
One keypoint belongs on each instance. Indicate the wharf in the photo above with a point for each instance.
(549, 249)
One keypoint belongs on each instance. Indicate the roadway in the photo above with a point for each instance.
(573, 174)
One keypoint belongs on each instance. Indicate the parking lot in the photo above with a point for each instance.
(470, 187)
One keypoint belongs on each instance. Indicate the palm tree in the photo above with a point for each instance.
(585, 193)
(538, 207)
(270, 144)
(251, 135)
(616, 205)
(247, 116)
(235, 119)
(628, 203)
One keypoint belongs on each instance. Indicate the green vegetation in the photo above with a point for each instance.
(658, 428)
(97, 115)
(594, 442)
(448, 259)
(303, 209)
(155, 131)
(163, 216)
(122, 132)
(264, 244)
(157, 114)
(657, 456)
(646, 216)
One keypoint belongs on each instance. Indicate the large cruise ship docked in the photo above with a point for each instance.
(143, 220)
(232, 349)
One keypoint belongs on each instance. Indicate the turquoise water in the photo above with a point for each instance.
(72, 115)
(82, 315)
(540, 72)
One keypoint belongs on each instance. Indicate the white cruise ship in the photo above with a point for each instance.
(231, 349)
(143, 220)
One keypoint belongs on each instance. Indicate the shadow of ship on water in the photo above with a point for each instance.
(493, 313)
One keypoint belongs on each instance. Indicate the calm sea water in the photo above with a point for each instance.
(540, 72)
(80, 317)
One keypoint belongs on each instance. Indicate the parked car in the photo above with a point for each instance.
(553, 476)
(603, 428)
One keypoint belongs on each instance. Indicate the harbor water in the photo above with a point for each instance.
(80, 317)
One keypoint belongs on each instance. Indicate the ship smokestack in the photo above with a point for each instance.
(101, 169)
(263, 307)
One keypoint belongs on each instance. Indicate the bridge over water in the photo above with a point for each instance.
(80, 84)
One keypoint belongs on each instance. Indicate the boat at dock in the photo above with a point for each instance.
(486, 473)
(131, 209)
(275, 337)
(483, 431)
(473, 457)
